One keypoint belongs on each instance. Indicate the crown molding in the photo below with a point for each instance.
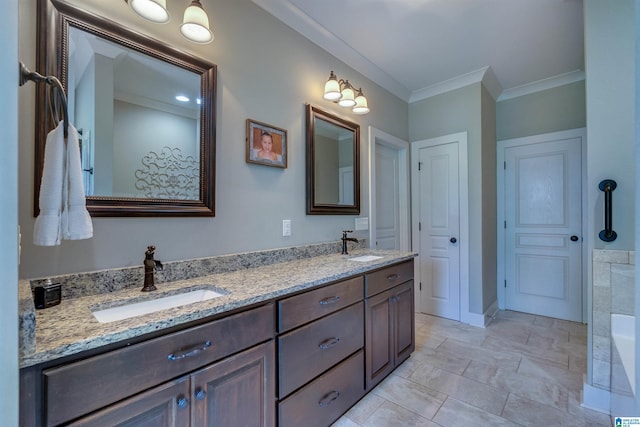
(544, 84)
(295, 18)
(484, 75)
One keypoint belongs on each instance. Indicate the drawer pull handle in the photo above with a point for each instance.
(190, 352)
(329, 398)
(330, 300)
(182, 402)
(392, 277)
(200, 394)
(329, 342)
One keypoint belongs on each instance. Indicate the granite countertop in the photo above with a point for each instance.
(70, 327)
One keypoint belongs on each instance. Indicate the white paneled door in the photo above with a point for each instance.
(439, 223)
(387, 198)
(543, 228)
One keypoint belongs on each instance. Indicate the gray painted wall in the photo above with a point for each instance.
(609, 66)
(489, 201)
(9, 212)
(610, 87)
(267, 72)
(459, 111)
(551, 110)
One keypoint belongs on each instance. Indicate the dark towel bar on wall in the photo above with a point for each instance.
(608, 185)
(57, 90)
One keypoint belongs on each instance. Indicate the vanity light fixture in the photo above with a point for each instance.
(195, 25)
(342, 92)
(152, 10)
(195, 22)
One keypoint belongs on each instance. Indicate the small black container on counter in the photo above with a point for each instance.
(47, 295)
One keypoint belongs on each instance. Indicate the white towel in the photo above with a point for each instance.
(63, 213)
(76, 221)
(47, 231)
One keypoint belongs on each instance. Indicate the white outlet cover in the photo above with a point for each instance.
(362, 223)
(286, 227)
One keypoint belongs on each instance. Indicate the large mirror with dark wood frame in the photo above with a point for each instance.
(333, 164)
(145, 114)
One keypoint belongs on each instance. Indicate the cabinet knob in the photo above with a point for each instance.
(200, 394)
(574, 238)
(182, 401)
(453, 240)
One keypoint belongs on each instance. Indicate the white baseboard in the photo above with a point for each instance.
(596, 398)
(482, 320)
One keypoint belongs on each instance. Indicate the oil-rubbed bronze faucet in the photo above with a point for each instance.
(346, 239)
(150, 266)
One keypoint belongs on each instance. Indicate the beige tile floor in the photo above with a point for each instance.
(522, 370)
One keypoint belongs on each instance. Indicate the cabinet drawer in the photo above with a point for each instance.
(303, 308)
(77, 388)
(387, 278)
(312, 349)
(326, 398)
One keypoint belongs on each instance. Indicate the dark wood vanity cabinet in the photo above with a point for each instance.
(238, 391)
(223, 357)
(321, 354)
(389, 319)
(301, 360)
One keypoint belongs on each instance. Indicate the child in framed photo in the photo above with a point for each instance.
(266, 144)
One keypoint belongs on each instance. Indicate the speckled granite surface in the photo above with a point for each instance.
(70, 327)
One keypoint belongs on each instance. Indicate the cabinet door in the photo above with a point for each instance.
(163, 406)
(238, 391)
(404, 322)
(379, 321)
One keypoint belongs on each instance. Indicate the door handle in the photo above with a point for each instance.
(453, 240)
(574, 238)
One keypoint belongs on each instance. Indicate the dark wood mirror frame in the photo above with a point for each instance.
(54, 19)
(314, 208)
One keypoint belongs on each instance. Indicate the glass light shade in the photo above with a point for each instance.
(332, 88)
(348, 97)
(153, 10)
(361, 106)
(195, 25)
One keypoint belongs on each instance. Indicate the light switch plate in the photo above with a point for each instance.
(362, 223)
(286, 227)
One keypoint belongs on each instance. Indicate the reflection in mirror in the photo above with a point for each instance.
(138, 138)
(333, 184)
(145, 113)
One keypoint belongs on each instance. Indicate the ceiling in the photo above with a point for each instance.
(418, 48)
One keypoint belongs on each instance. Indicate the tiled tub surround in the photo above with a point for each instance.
(613, 292)
(70, 327)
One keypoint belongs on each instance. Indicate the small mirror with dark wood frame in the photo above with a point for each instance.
(145, 151)
(333, 164)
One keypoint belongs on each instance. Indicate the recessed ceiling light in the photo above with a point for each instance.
(182, 98)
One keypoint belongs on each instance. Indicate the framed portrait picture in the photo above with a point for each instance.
(266, 144)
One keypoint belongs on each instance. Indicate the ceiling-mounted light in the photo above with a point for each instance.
(152, 10)
(182, 98)
(195, 25)
(361, 106)
(342, 92)
(332, 88)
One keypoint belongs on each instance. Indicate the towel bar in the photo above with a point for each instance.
(608, 235)
(26, 75)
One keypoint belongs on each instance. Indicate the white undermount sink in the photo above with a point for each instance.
(365, 258)
(127, 311)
